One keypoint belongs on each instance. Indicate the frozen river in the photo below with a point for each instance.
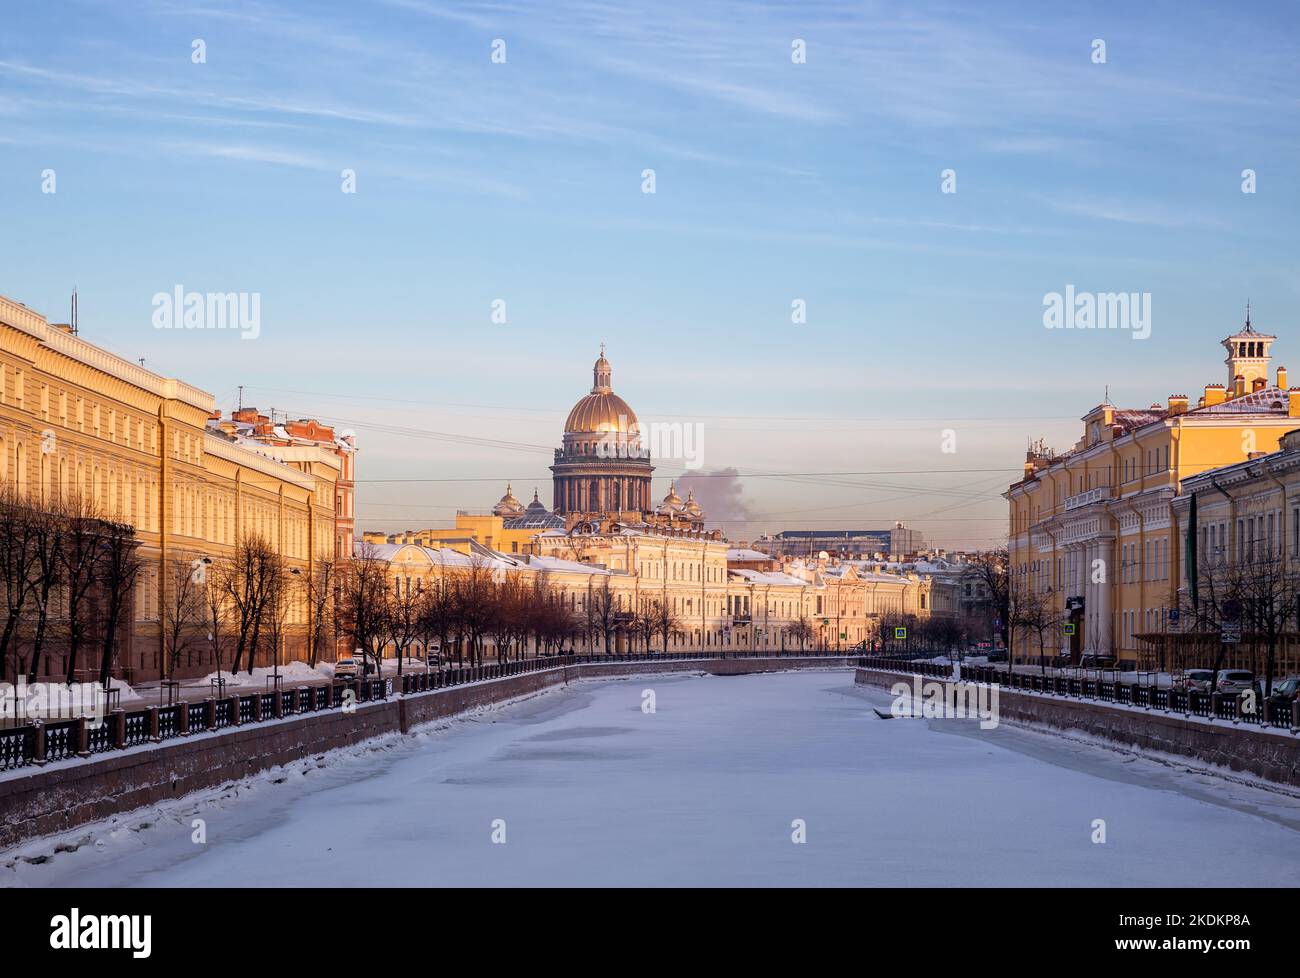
(590, 790)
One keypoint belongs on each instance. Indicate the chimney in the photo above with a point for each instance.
(1293, 403)
(1177, 404)
(1281, 378)
(1214, 394)
(1258, 384)
(1239, 385)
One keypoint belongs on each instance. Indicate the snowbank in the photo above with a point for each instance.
(290, 672)
(61, 701)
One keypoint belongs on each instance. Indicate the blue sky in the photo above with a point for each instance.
(775, 181)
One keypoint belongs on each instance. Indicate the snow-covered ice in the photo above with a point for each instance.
(593, 791)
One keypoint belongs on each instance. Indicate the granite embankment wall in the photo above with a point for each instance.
(58, 797)
(1270, 754)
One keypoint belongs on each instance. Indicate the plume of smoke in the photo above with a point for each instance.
(720, 494)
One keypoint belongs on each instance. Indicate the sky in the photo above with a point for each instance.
(499, 154)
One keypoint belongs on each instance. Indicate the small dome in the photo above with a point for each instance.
(692, 506)
(508, 504)
(536, 507)
(672, 502)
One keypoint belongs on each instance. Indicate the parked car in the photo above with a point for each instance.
(1197, 680)
(1287, 690)
(1096, 660)
(352, 667)
(998, 655)
(1235, 680)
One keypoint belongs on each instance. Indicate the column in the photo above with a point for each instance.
(1102, 638)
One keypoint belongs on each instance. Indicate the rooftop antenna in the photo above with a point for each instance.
(241, 397)
(1248, 314)
(73, 318)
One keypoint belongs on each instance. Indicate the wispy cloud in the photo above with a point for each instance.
(1129, 212)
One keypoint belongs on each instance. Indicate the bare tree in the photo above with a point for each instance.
(600, 611)
(184, 611)
(990, 571)
(277, 609)
(19, 568)
(434, 617)
(403, 618)
(643, 624)
(665, 621)
(47, 542)
(472, 600)
(1269, 592)
(800, 631)
(363, 602)
(319, 586)
(1032, 611)
(216, 606)
(119, 569)
(80, 549)
(247, 580)
(509, 620)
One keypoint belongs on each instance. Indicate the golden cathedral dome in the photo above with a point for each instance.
(508, 505)
(602, 410)
(672, 502)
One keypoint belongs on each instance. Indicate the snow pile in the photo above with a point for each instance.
(53, 701)
(290, 673)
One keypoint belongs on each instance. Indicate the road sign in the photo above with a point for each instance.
(843, 635)
(1173, 614)
(1230, 632)
(1069, 628)
(997, 622)
(900, 633)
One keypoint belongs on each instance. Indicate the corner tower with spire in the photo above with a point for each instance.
(1248, 358)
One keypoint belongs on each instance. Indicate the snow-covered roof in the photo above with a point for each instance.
(560, 564)
(442, 556)
(767, 577)
(744, 553)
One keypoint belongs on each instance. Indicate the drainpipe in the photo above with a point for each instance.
(163, 473)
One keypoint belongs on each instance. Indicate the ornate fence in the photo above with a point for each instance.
(41, 743)
(1283, 714)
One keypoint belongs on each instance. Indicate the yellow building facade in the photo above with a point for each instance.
(1092, 539)
(79, 422)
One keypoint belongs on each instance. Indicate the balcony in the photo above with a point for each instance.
(1087, 498)
(742, 619)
